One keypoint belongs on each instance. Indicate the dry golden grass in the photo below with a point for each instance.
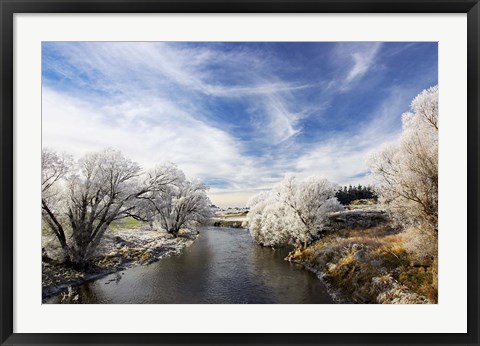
(370, 266)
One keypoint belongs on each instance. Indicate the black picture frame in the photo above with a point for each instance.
(9, 7)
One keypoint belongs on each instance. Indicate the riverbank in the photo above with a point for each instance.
(230, 218)
(119, 249)
(364, 260)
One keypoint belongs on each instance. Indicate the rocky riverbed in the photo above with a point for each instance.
(119, 249)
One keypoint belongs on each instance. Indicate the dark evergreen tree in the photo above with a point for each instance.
(347, 195)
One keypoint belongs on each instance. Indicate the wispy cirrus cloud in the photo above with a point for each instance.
(343, 157)
(355, 60)
(152, 132)
(362, 61)
(130, 70)
(237, 115)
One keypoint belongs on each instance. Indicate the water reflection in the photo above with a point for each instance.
(223, 266)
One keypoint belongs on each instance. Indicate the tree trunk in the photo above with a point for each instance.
(174, 232)
(66, 254)
(92, 246)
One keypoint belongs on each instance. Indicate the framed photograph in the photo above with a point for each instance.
(239, 172)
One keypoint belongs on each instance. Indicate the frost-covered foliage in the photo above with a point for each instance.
(408, 171)
(178, 202)
(270, 222)
(421, 245)
(88, 194)
(81, 198)
(54, 169)
(293, 212)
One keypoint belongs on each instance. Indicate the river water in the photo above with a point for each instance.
(223, 266)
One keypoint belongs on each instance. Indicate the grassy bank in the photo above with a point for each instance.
(370, 265)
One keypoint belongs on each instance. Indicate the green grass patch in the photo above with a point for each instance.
(126, 223)
(46, 230)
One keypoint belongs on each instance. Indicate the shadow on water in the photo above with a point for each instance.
(223, 266)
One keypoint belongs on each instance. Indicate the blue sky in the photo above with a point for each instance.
(237, 115)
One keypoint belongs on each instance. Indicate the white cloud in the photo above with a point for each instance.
(359, 57)
(145, 99)
(163, 69)
(343, 158)
(153, 131)
(362, 61)
(279, 123)
(146, 64)
(149, 132)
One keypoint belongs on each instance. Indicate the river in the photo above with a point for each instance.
(223, 266)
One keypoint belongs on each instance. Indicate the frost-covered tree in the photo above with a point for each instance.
(177, 203)
(267, 222)
(99, 189)
(293, 212)
(103, 189)
(54, 169)
(82, 199)
(408, 171)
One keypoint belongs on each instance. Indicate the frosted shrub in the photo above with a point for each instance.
(264, 220)
(421, 245)
(293, 212)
